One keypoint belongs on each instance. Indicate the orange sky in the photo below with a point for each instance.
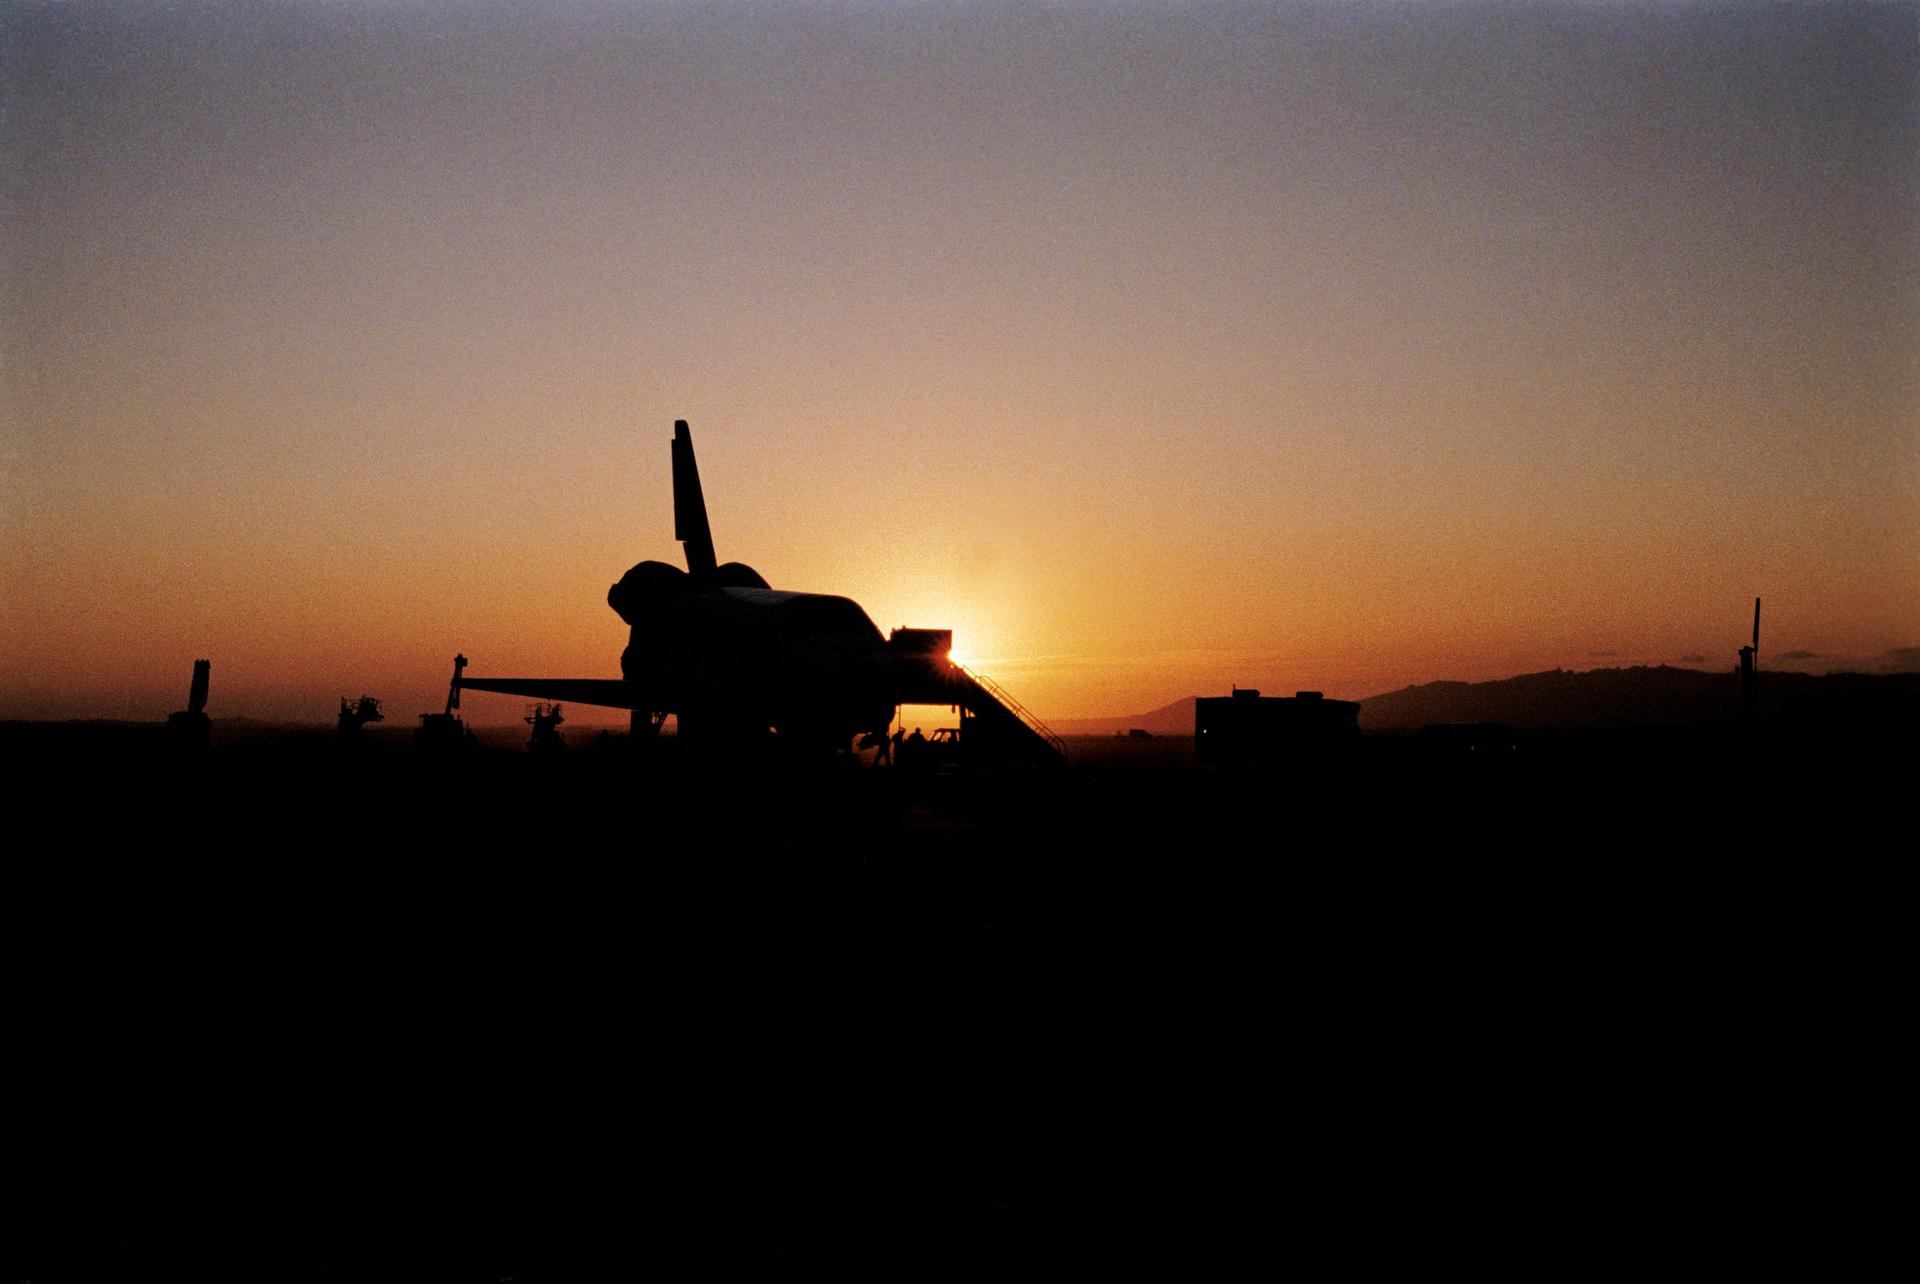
(1151, 348)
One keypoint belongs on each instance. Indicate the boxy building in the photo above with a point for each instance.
(1246, 727)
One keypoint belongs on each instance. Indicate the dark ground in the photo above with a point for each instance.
(279, 1012)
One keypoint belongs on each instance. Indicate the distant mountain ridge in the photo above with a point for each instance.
(1660, 696)
(1562, 699)
(1175, 719)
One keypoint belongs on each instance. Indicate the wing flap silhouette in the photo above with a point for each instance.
(612, 693)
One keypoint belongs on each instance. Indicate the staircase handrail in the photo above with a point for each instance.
(1018, 710)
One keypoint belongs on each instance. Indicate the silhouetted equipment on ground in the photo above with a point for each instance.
(190, 727)
(444, 732)
(1139, 733)
(944, 748)
(545, 720)
(1749, 677)
(1245, 727)
(738, 662)
(441, 732)
(355, 715)
(881, 744)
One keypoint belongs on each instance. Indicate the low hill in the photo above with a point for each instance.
(1175, 719)
(1641, 697)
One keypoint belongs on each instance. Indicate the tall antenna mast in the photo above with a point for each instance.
(1749, 682)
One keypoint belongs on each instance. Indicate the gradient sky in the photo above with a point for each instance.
(1150, 347)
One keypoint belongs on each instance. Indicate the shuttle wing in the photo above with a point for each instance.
(611, 692)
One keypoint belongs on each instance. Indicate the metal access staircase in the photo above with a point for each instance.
(998, 717)
(995, 725)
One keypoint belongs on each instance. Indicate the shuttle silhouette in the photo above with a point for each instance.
(735, 659)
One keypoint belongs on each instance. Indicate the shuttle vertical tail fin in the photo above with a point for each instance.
(689, 505)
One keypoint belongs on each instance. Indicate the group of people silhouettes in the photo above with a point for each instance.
(898, 749)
